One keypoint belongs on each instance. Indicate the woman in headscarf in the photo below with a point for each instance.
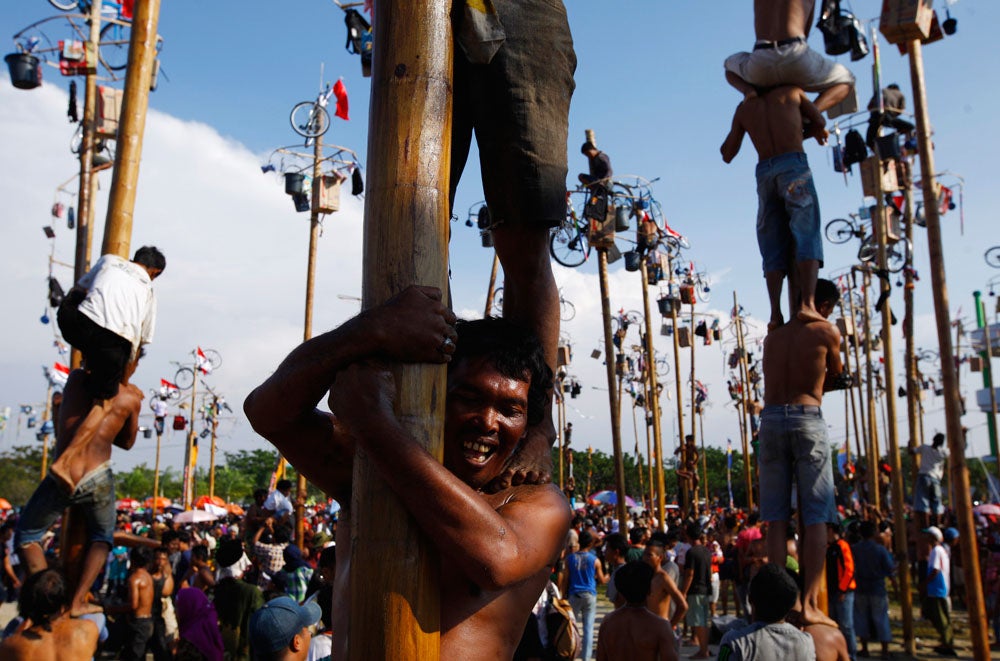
(198, 624)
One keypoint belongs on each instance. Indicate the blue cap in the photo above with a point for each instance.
(950, 534)
(278, 621)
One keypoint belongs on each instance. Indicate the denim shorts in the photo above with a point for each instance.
(871, 617)
(794, 445)
(95, 494)
(518, 106)
(698, 614)
(927, 495)
(788, 220)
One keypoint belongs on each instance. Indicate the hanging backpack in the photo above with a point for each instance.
(359, 39)
(855, 149)
(56, 293)
(564, 637)
(357, 182)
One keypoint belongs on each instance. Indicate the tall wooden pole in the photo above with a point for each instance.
(856, 350)
(694, 407)
(190, 458)
(683, 495)
(491, 290)
(85, 197)
(609, 362)
(560, 429)
(46, 417)
(211, 453)
(953, 408)
(653, 399)
(704, 457)
(987, 356)
(849, 395)
(131, 127)
(156, 476)
(395, 590)
(889, 414)
(912, 383)
(744, 401)
(872, 449)
(301, 487)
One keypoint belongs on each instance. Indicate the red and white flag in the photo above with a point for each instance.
(58, 374)
(340, 92)
(202, 363)
(166, 387)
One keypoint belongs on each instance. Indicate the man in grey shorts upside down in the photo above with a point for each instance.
(801, 362)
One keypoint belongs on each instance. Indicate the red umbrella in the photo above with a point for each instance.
(5, 504)
(235, 509)
(127, 504)
(161, 502)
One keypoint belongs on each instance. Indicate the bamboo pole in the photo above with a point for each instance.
(85, 197)
(211, 454)
(491, 289)
(156, 476)
(45, 437)
(561, 426)
(912, 385)
(683, 496)
(987, 357)
(889, 413)
(704, 456)
(694, 419)
(874, 497)
(190, 458)
(849, 395)
(132, 125)
(395, 593)
(653, 397)
(613, 401)
(855, 349)
(745, 401)
(301, 487)
(953, 408)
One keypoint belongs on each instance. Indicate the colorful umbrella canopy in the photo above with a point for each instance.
(987, 509)
(127, 504)
(209, 500)
(235, 509)
(608, 497)
(194, 516)
(161, 502)
(5, 504)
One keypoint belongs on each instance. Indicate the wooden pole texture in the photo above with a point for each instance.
(694, 415)
(560, 428)
(211, 454)
(978, 633)
(849, 395)
(395, 589)
(912, 383)
(131, 127)
(872, 449)
(744, 401)
(653, 401)
(889, 414)
(609, 362)
(856, 350)
(683, 497)
(156, 477)
(301, 487)
(46, 417)
(491, 290)
(190, 458)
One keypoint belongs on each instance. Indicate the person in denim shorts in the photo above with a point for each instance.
(801, 361)
(788, 220)
(82, 477)
(517, 103)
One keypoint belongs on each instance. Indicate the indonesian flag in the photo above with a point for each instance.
(201, 362)
(166, 387)
(672, 233)
(944, 200)
(340, 92)
(58, 374)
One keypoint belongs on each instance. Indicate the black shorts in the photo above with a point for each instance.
(138, 631)
(518, 106)
(105, 354)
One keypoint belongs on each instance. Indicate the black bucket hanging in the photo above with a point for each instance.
(25, 70)
(293, 182)
(632, 258)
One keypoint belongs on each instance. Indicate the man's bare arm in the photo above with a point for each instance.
(834, 366)
(731, 145)
(816, 122)
(496, 548)
(410, 327)
(681, 604)
(130, 399)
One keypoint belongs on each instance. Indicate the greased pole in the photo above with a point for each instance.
(653, 401)
(677, 388)
(131, 127)
(395, 587)
(978, 632)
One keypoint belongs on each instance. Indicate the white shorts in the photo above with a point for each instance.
(794, 64)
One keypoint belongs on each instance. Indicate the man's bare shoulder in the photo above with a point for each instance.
(541, 498)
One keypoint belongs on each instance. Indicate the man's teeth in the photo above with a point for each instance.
(477, 447)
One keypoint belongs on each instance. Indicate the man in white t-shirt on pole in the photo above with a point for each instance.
(927, 501)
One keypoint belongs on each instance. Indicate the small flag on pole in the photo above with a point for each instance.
(202, 362)
(58, 374)
(167, 388)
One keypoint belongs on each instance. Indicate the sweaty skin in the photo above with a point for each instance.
(140, 593)
(777, 20)
(830, 643)
(799, 361)
(70, 640)
(87, 430)
(662, 589)
(632, 632)
(496, 550)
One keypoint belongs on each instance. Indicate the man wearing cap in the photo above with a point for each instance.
(936, 584)
(496, 549)
(280, 631)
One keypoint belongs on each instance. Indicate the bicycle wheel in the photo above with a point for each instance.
(992, 257)
(213, 358)
(702, 290)
(309, 119)
(566, 309)
(662, 367)
(569, 246)
(184, 378)
(76, 142)
(839, 230)
(113, 47)
(897, 255)
(64, 5)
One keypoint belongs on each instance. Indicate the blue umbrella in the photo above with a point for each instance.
(607, 497)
